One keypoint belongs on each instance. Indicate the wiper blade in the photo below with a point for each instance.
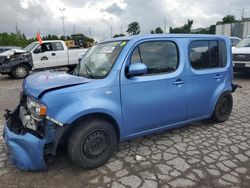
(88, 71)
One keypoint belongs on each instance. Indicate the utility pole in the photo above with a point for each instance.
(63, 9)
(121, 29)
(111, 32)
(74, 29)
(16, 28)
(89, 31)
(165, 25)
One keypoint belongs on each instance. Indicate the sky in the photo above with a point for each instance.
(101, 18)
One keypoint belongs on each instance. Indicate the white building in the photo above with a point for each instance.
(239, 29)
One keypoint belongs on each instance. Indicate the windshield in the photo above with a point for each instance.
(244, 43)
(99, 60)
(30, 47)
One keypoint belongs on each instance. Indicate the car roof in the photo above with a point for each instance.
(140, 37)
(49, 41)
(235, 38)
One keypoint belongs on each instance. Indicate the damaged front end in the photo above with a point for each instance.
(11, 58)
(29, 140)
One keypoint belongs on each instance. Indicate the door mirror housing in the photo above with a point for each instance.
(137, 69)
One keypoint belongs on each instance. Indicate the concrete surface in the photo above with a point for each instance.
(204, 154)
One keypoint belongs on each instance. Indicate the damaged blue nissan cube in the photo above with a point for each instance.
(121, 89)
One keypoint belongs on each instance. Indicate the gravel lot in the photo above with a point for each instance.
(204, 154)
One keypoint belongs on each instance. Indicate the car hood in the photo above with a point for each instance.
(11, 52)
(37, 84)
(241, 50)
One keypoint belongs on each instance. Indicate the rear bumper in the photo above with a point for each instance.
(25, 151)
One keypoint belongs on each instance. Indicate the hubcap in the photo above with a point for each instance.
(21, 72)
(96, 144)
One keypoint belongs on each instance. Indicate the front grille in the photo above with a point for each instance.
(241, 57)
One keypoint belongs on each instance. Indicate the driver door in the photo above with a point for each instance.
(43, 56)
(158, 98)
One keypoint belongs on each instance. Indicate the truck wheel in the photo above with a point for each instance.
(223, 107)
(20, 71)
(92, 143)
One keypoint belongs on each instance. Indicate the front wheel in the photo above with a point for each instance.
(223, 107)
(92, 143)
(20, 71)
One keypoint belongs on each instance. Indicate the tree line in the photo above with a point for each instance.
(19, 39)
(134, 28)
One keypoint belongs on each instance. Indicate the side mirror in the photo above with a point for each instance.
(137, 69)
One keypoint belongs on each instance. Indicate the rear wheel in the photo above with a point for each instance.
(223, 107)
(20, 71)
(92, 143)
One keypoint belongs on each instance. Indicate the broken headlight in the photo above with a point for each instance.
(37, 110)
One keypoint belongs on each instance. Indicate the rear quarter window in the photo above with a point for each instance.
(207, 54)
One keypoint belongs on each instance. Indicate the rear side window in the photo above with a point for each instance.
(57, 46)
(158, 56)
(207, 54)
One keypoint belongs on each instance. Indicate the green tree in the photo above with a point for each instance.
(158, 30)
(212, 29)
(183, 29)
(118, 35)
(152, 31)
(228, 19)
(134, 28)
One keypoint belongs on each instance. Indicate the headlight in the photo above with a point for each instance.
(37, 110)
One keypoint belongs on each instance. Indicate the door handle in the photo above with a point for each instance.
(179, 82)
(216, 77)
(53, 54)
(44, 58)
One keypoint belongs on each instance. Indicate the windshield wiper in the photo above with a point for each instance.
(88, 71)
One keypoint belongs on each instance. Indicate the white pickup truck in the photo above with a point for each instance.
(241, 56)
(49, 55)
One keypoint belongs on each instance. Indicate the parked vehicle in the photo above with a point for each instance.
(5, 48)
(234, 40)
(123, 88)
(48, 55)
(241, 56)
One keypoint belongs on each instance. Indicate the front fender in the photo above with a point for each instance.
(66, 108)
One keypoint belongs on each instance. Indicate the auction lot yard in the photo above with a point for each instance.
(204, 154)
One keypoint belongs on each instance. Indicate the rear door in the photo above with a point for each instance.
(207, 78)
(60, 54)
(157, 99)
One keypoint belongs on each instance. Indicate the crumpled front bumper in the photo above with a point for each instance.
(25, 151)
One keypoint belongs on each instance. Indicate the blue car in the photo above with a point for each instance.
(123, 88)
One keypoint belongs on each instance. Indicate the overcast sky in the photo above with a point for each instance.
(96, 17)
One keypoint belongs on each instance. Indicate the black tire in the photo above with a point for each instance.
(92, 143)
(20, 71)
(223, 107)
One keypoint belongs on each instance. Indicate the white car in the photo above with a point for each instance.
(241, 56)
(49, 55)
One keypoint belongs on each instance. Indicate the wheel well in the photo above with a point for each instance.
(27, 64)
(24, 63)
(219, 97)
(66, 134)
